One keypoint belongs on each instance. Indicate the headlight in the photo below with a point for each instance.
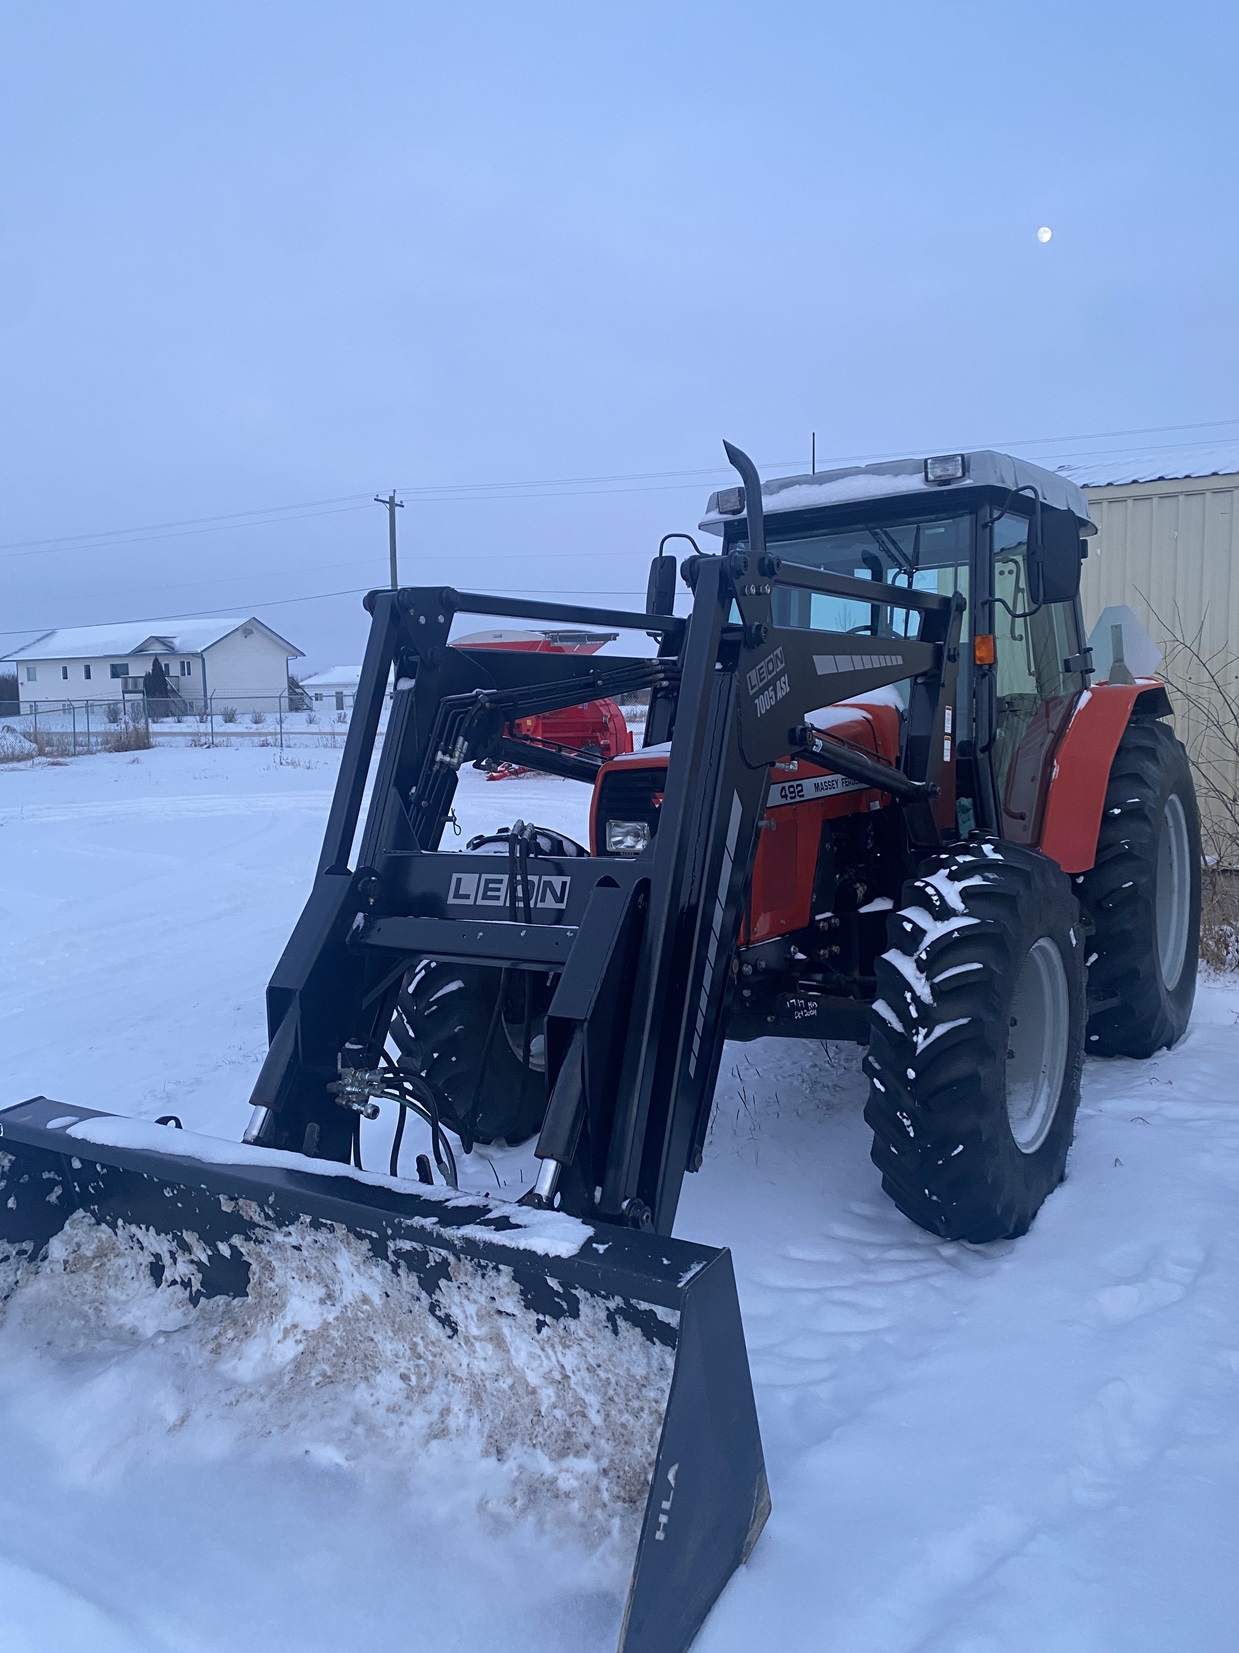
(627, 837)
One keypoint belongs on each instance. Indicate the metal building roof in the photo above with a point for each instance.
(1116, 470)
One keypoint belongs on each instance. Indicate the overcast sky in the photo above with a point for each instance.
(259, 256)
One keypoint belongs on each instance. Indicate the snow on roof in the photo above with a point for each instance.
(335, 677)
(139, 637)
(1155, 465)
(854, 483)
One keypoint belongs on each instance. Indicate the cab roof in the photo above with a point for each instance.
(854, 484)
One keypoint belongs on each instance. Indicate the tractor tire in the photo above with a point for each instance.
(977, 1040)
(1142, 898)
(445, 1029)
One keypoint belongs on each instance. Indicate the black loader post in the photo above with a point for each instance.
(635, 956)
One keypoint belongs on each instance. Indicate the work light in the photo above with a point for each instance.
(946, 467)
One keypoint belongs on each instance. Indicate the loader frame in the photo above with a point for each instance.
(642, 948)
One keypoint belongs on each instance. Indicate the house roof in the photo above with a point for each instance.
(1155, 465)
(335, 677)
(139, 637)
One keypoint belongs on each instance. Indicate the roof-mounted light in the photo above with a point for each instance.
(946, 467)
(730, 502)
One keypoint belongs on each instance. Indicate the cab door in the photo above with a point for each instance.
(1034, 691)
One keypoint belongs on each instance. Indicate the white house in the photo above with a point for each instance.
(337, 686)
(241, 663)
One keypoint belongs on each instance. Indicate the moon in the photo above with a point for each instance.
(1044, 234)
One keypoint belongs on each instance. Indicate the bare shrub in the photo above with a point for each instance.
(257, 717)
(131, 737)
(1205, 689)
(311, 718)
(1219, 918)
(112, 711)
(229, 714)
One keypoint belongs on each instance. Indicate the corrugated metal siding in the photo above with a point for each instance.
(1169, 549)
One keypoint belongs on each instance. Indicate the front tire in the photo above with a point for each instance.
(1142, 897)
(462, 1028)
(977, 1040)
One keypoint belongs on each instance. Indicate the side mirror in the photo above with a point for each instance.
(660, 588)
(1054, 557)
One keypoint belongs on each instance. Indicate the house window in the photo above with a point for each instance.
(64, 674)
(118, 671)
(187, 669)
(32, 674)
(86, 673)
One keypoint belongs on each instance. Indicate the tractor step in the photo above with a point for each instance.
(622, 1324)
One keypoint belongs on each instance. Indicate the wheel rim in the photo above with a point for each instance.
(514, 1032)
(1173, 892)
(1037, 1045)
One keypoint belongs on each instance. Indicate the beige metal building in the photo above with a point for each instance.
(1168, 545)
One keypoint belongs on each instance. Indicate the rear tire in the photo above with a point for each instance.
(977, 1040)
(1142, 897)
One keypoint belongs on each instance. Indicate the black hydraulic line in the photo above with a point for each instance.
(546, 756)
(394, 1163)
(845, 760)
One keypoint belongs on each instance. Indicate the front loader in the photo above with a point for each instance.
(877, 800)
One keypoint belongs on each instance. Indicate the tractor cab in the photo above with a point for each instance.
(1006, 535)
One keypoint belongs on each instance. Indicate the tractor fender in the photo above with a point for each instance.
(1082, 763)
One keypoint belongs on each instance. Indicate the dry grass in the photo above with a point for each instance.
(56, 745)
(130, 737)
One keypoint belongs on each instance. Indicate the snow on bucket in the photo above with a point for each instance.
(604, 1370)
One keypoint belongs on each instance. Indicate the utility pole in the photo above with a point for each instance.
(393, 505)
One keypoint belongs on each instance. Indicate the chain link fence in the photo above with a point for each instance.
(76, 728)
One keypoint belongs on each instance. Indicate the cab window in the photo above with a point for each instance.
(929, 554)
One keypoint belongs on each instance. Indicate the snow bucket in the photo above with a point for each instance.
(606, 1361)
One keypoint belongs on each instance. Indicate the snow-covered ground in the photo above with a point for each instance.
(1014, 1448)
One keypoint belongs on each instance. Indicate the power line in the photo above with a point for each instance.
(342, 502)
(623, 481)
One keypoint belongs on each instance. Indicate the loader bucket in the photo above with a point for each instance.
(539, 1333)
